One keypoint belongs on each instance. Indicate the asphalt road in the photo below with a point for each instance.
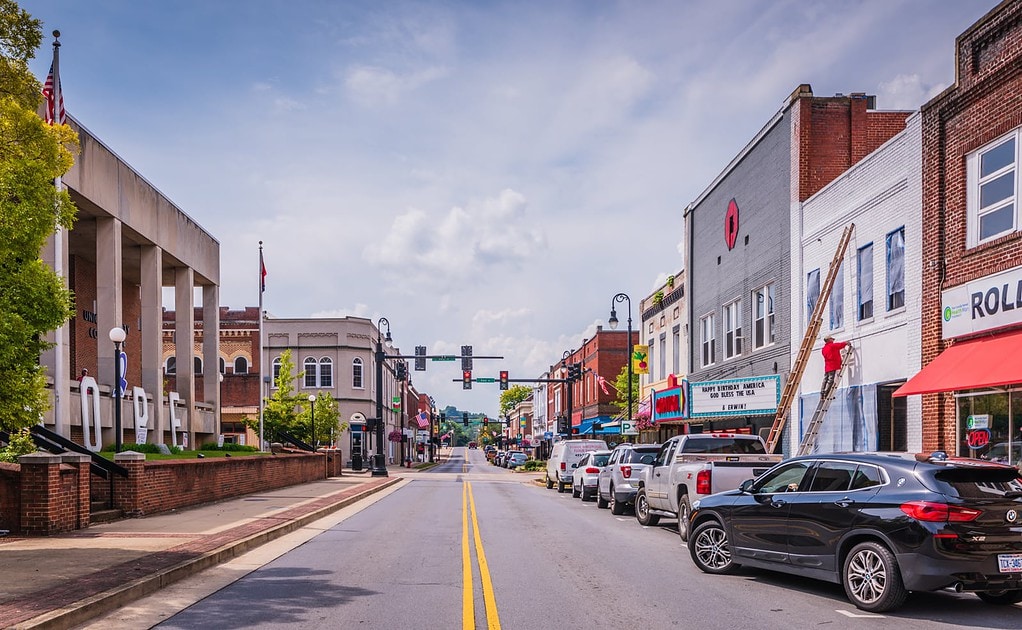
(473, 546)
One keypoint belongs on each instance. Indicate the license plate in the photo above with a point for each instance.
(1009, 562)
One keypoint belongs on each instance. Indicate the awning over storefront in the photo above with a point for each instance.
(989, 362)
(586, 426)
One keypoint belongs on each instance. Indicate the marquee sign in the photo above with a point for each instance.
(755, 396)
(670, 404)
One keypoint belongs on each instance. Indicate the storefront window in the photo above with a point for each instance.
(989, 427)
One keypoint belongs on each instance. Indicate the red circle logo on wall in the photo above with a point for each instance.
(731, 224)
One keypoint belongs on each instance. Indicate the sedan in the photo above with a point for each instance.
(881, 525)
(516, 458)
(587, 473)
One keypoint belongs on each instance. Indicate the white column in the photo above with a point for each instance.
(184, 344)
(152, 337)
(57, 359)
(109, 279)
(211, 350)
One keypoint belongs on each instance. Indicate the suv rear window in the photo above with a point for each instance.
(977, 483)
(730, 446)
(633, 455)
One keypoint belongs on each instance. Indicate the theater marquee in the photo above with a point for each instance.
(735, 397)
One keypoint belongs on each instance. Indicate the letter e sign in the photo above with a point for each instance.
(731, 224)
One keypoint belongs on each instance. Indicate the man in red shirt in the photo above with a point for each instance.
(831, 362)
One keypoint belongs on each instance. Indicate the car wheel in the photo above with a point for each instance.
(549, 483)
(710, 549)
(560, 486)
(1001, 597)
(642, 509)
(600, 501)
(616, 507)
(684, 511)
(574, 493)
(872, 579)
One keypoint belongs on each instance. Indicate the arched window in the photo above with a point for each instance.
(310, 372)
(356, 374)
(223, 366)
(198, 366)
(171, 366)
(276, 370)
(241, 365)
(326, 372)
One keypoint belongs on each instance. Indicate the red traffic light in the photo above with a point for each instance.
(466, 379)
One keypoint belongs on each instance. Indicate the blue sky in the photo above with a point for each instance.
(484, 173)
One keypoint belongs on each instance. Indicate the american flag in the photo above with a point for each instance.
(602, 382)
(54, 99)
(423, 420)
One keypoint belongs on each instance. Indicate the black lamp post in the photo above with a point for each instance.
(379, 462)
(432, 413)
(621, 297)
(117, 336)
(312, 418)
(568, 384)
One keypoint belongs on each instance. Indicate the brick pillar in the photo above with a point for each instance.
(40, 489)
(83, 510)
(128, 492)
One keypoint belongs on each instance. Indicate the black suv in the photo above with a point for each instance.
(879, 524)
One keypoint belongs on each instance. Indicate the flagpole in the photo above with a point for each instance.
(262, 356)
(60, 368)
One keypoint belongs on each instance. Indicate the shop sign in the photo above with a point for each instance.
(994, 301)
(978, 421)
(755, 396)
(669, 404)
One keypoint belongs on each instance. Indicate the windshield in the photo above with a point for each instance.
(600, 460)
(729, 445)
(977, 483)
(633, 455)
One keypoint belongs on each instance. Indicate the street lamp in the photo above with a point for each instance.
(379, 463)
(432, 412)
(621, 297)
(567, 384)
(312, 418)
(117, 336)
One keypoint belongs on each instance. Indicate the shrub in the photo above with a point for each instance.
(21, 444)
(211, 446)
(141, 448)
(535, 464)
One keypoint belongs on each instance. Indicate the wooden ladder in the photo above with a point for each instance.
(808, 341)
(813, 428)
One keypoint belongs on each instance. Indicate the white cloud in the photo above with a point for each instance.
(370, 85)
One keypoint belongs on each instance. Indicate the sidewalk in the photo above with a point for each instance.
(61, 581)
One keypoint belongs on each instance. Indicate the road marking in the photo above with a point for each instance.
(492, 619)
(468, 621)
(848, 613)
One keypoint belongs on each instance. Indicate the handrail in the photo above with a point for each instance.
(284, 436)
(56, 443)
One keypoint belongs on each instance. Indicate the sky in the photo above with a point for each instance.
(479, 173)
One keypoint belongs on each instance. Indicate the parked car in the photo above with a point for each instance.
(618, 480)
(881, 525)
(1000, 452)
(498, 459)
(516, 458)
(587, 472)
(692, 466)
(564, 458)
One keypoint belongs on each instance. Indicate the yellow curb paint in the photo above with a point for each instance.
(492, 618)
(468, 621)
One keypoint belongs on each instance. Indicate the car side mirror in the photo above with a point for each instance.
(574, 465)
(647, 459)
(746, 486)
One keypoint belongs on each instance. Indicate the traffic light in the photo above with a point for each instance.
(466, 379)
(574, 371)
(466, 359)
(464, 418)
(562, 424)
(420, 358)
(486, 421)
(401, 371)
(503, 379)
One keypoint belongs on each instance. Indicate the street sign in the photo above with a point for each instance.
(485, 379)
(628, 428)
(445, 357)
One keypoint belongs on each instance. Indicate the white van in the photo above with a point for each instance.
(564, 458)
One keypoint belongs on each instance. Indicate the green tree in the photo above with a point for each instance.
(510, 398)
(328, 416)
(280, 410)
(621, 385)
(33, 299)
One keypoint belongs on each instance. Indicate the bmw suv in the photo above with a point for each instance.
(880, 525)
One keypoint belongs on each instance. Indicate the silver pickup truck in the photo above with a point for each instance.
(689, 467)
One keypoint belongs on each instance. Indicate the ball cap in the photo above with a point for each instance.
(828, 338)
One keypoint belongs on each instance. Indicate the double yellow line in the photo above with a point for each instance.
(467, 600)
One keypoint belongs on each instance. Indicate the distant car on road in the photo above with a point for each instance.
(516, 458)
(881, 525)
(473, 445)
(583, 478)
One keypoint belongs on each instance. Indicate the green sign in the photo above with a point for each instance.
(485, 379)
(446, 357)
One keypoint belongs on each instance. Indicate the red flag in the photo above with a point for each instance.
(262, 273)
(55, 114)
(602, 383)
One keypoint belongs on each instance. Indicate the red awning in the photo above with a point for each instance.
(988, 362)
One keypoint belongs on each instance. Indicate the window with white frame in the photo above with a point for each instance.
(896, 269)
(812, 293)
(197, 365)
(171, 366)
(310, 371)
(326, 372)
(663, 355)
(732, 329)
(241, 365)
(991, 197)
(649, 360)
(763, 331)
(708, 340)
(837, 299)
(276, 370)
(676, 347)
(864, 281)
(356, 374)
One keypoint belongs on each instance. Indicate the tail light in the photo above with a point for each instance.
(592, 471)
(703, 482)
(564, 466)
(939, 512)
(626, 472)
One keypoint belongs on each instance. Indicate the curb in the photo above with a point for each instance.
(101, 603)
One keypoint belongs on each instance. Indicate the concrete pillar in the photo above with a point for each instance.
(184, 344)
(108, 295)
(152, 338)
(211, 351)
(58, 358)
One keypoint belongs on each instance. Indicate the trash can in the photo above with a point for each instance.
(356, 461)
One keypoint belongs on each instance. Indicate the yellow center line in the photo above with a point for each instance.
(492, 619)
(468, 621)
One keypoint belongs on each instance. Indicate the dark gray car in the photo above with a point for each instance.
(618, 481)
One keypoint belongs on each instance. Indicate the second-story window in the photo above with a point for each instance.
(708, 340)
(763, 327)
(812, 293)
(896, 269)
(326, 372)
(310, 371)
(865, 281)
(992, 190)
(356, 374)
(732, 329)
(837, 299)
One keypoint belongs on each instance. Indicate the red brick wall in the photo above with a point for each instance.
(10, 497)
(985, 103)
(166, 485)
(49, 498)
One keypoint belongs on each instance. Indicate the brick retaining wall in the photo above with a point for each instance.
(10, 497)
